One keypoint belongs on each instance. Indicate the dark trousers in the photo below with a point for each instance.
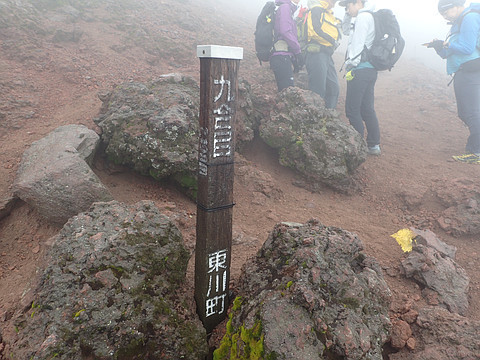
(467, 93)
(283, 70)
(322, 77)
(359, 104)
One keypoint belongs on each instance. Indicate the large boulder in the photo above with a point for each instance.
(153, 127)
(310, 293)
(312, 139)
(114, 289)
(54, 176)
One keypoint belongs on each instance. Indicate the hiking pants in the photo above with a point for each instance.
(322, 77)
(467, 94)
(283, 69)
(359, 104)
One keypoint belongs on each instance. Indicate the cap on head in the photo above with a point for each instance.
(345, 2)
(444, 5)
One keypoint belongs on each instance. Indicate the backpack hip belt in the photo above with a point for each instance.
(281, 46)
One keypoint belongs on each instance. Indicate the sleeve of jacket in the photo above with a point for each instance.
(466, 42)
(318, 16)
(442, 53)
(359, 39)
(285, 28)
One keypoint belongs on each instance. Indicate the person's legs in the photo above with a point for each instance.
(283, 71)
(467, 94)
(353, 102)
(332, 87)
(368, 113)
(317, 66)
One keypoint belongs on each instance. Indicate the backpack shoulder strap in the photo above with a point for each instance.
(320, 8)
(476, 11)
(365, 49)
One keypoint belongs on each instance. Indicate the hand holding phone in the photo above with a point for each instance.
(435, 44)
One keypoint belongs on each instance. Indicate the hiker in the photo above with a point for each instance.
(286, 57)
(361, 75)
(461, 49)
(323, 35)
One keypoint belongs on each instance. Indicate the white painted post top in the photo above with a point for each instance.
(221, 52)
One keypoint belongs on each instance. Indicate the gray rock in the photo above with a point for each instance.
(312, 139)
(429, 239)
(54, 176)
(311, 293)
(153, 127)
(114, 289)
(440, 273)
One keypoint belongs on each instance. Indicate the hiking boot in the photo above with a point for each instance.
(468, 158)
(374, 150)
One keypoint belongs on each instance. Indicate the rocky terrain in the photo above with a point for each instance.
(57, 58)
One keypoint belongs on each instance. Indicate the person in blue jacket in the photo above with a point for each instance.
(461, 49)
(285, 57)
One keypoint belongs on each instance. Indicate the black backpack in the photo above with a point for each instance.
(388, 44)
(264, 37)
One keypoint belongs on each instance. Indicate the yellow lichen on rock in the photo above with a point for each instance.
(405, 238)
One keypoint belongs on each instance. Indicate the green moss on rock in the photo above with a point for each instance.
(241, 343)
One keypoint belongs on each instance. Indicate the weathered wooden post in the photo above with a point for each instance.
(218, 95)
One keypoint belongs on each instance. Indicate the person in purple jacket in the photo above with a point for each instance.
(285, 58)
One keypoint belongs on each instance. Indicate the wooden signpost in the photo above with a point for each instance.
(218, 95)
